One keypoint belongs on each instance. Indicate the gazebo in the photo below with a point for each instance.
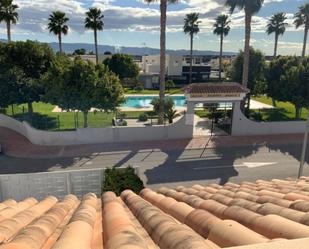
(213, 93)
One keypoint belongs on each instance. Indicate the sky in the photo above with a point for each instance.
(134, 23)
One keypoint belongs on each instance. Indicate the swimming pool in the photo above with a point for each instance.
(140, 102)
(144, 101)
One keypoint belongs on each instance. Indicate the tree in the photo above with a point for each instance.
(256, 69)
(80, 85)
(80, 51)
(163, 10)
(122, 65)
(250, 7)
(302, 19)
(9, 81)
(191, 27)
(278, 26)
(222, 29)
(170, 84)
(288, 80)
(57, 25)
(94, 21)
(8, 14)
(28, 61)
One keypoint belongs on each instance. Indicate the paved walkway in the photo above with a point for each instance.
(15, 145)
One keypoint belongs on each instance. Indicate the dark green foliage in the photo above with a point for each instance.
(118, 180)
(22, 65)
(216, 115)
(80, 51)
(170, 114)
(169, 111)
(139, 86)
(257, 116)
(169, 84)
(80, 85)
(143, 117)
(288, 80)
(168, 104)
(122, 65)
(256, 69)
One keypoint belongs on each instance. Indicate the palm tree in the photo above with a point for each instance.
(222, 29)
(191, 27)
(57, 25)
(302, 19)
(163, 10)
(94, 21)
(8, 14)
(250, 7)
(277, 25)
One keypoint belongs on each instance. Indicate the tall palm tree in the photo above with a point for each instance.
(302, 19)
(57, 25)
(221, 28)
(191, 27)
(250, 7)
(278, 26)
(8, 14)
(163, 10)
(94, 21)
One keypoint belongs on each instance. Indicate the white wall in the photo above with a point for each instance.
(177, 130)
(13, 124)
(242, 126)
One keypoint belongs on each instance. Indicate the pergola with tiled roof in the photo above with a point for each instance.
(227, 92)
(197, 93)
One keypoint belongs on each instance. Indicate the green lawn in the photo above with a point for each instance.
(44, 118)
(285, 111)
(146, 91)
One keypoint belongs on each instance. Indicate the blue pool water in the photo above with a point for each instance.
(144, 101)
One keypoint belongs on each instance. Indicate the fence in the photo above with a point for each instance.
(44, 119)
(59, 184)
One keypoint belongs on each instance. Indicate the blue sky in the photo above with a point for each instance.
(134, 23)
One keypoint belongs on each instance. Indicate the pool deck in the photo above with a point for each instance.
(255, 105)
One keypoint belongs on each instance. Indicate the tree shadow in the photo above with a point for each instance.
(199, 164)
(38, 120)
(276, 114)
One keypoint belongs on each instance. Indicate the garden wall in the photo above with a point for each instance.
(177, 130)
(242, 126)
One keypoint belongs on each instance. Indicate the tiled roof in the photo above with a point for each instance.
(260, 215)
(215, 89)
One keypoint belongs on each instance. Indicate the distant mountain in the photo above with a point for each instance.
(70, 47)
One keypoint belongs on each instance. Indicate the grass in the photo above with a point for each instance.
(44, 118)
(285, 111)
(148, 91)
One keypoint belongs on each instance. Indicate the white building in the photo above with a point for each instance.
(151, 64)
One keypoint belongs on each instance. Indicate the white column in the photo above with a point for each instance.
(190, 113)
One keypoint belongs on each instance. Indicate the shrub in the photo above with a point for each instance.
(139, 87)
(143, 117)
(118, 180)
(168, 104)
(216, 116)
(257, 116)
(122, 123)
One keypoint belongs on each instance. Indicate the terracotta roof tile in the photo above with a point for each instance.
(269, 214)
(215, 88)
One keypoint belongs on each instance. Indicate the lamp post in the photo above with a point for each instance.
(303, 154)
